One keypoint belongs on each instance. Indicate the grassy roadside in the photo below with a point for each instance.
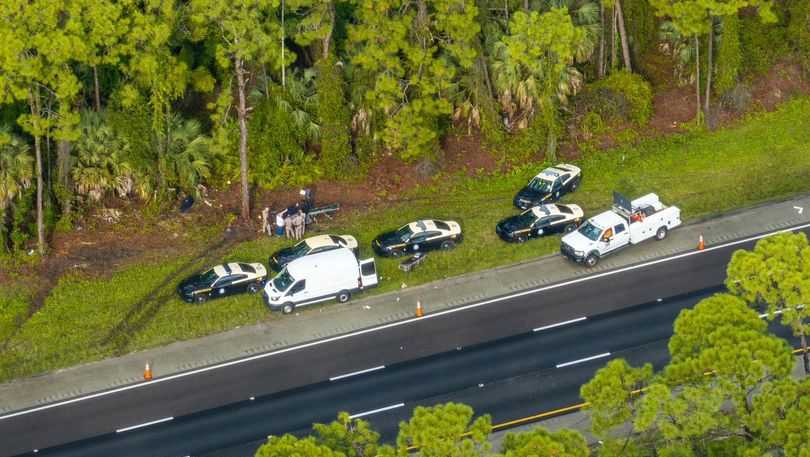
(767, 156)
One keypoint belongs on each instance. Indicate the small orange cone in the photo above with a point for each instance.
(701, 244)
(419, 311)
(147, 372)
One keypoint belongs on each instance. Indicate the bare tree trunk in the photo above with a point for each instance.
(613, 28)
(327, 40)
(243, 137)
(697, 75)
(63, 175)
(805, 355)
(526, 5)
(623, 36)
(35, 115)
(98, 91)
(709, 68)
(600, 63)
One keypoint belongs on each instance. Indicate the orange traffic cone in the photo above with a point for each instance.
(419, 311)
(701, 244)
(147, 372)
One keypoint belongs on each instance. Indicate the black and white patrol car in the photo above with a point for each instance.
(549, 185)
(419, 236)
(223, 280)
(538, 221)
(311, 245)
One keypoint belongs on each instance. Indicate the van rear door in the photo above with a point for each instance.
(368, 273)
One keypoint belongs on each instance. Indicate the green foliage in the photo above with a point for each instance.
(762, 44)
(628, 86)
(417, 52)
(719, 386)
(729, 55)
(641, 24)
(350, 437)
(776, 275)
(290, 446)
(445, 430)
(798, 31)
(334, 118)
(539, 441)
(100, 167)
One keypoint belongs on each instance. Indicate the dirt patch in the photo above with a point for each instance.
(466, 153)
(781, 83)
(672, 108)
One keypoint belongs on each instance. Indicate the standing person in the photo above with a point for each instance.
(265, 221)
(280, 222)
(289, 222)
(300, 222)
(308, 200)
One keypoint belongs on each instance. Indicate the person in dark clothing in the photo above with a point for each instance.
(308, 201)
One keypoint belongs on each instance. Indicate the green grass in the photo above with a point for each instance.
(14, 305)
(765, 157)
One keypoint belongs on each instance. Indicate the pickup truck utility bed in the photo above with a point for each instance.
(628, 223)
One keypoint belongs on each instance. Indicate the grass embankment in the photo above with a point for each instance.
(767, 156)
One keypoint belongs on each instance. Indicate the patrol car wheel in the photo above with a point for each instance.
(287, 308)
(396, 253)
(200, 299)
(343, 296)
(574, 184)
(447, 245)
(661, 233)
(520, 239)
(591, 260)
(254, 288)
(570, 228)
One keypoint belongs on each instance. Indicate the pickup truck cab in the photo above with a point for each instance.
(628, 223)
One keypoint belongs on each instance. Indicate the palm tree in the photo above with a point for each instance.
(189, 153)
(100, 166)
(16, 173)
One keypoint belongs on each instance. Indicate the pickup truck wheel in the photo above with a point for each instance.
(343, 296)
(661, 233)
(288, 308)
(447, 245)
(591, 260)
(254, 287)
(200, 299)
(570, 228)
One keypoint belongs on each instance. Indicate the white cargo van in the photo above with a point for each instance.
(316, 278)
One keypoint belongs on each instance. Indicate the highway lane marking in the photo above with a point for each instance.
(355, 373)
(586, 359)
(375, 411)
(145, 424)
(559, 324)
(412, 320)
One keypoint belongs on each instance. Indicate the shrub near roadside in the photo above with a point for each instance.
(621, 96)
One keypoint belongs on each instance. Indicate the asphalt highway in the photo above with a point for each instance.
(511, 378)
(271, 378)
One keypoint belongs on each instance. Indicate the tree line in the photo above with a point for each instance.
(149, 99)
(726, 391)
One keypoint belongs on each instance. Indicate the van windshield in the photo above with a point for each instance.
(590, 231)
(283, 281)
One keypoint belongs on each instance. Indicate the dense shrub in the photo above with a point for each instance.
(798, 30)
(762, 44)
(620, 96)
(729, 55)
(334, 118)
(738, 99)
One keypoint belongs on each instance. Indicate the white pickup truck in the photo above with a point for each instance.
(626, 224)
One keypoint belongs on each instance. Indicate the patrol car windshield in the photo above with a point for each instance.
(540, 185)
(404, 233)
(525, 218)
(590, 231)
(283, 281)
(299, 249)
(208, 277)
